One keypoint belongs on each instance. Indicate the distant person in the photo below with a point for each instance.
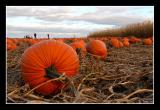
(48, 36)
(35, 35)
(27, 36)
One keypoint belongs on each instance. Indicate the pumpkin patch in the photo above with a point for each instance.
(54, 68)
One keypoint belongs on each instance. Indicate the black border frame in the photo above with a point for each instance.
(78, 3)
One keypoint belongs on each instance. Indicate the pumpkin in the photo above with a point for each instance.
(115, 42)
(125, 39)
(31, 41)
(147, 41)
(11, 45)
(60, 40)
(134, 40)
(120, 44)
(97, 47)
(79, 45)
(126, 43)
(46, 60)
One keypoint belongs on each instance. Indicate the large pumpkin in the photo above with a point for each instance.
(97, 47)
(45, 60)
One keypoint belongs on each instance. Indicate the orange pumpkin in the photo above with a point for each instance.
(134, 40)
(97, 47)
(120, 44)
(126, 39)
(11, 45)
(115, 42)
(46, 60)
(31, 41)
(79, 45)
(60, 40)
(126, 43)
(147, 41)
(151, 38)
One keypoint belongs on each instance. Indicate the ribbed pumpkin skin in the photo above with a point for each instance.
(97, 47)
(42, 55)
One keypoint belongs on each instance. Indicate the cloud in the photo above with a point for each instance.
(73, 19)
(103, 14)
(54, 29)
(34, 11)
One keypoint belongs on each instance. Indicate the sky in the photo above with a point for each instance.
(71, 21)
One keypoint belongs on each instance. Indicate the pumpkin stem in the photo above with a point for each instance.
(51, 72)
(78, 50)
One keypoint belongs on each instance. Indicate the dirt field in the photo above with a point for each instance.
(125, 77)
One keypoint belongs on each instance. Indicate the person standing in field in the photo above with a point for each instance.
(48, 36)
(35, 35)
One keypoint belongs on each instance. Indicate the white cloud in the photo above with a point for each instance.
(72, 19)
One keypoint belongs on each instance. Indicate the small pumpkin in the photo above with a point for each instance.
(115, 42)
(11, 45)
(97, 47)
(125, 39)
(126, 43)
(31, 41)
(79, 45)
(44, 61)
(147, 41)
(134, 40)
(120, 44)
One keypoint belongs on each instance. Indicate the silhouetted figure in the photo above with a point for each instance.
(35, 35)
(48, 36)
(27, 36)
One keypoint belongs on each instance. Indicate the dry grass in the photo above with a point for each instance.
(125, 77)
(142, 30)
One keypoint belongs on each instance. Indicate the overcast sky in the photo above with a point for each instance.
(69, 21)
